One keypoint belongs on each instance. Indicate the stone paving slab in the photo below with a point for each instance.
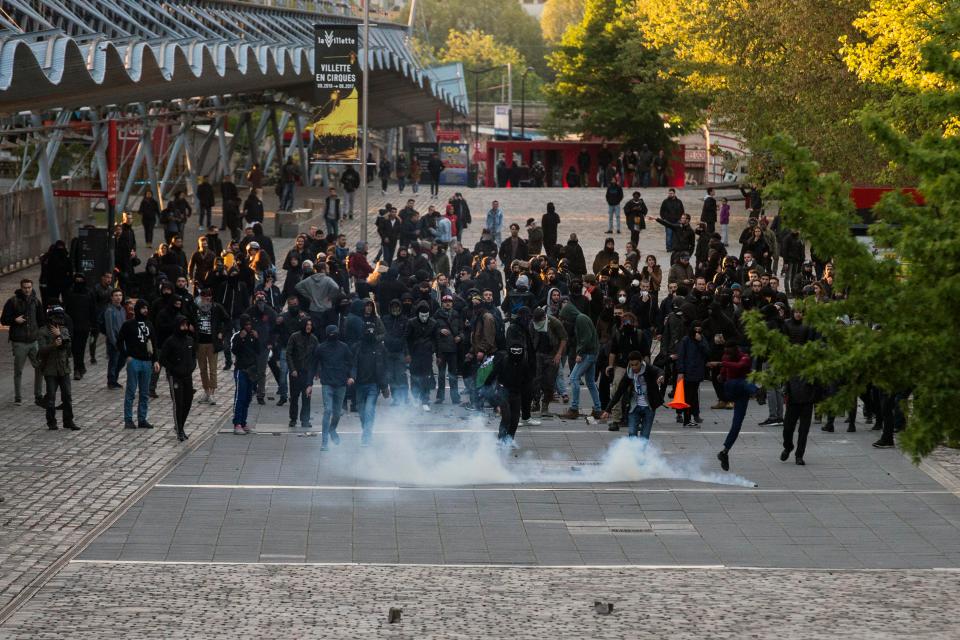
(289, 601)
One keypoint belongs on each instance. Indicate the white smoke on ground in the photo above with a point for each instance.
(471, 458)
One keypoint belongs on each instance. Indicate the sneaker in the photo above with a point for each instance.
(851, 429)
(425, 407)
(292, 424)
(335, 437)
(880, 444)
(40, 403)
(282, 401)
(785, 453)
(53, 426)
(306, 425)
(245, 428)
(690, 424)
(114, 385)
(766, 423)
(596, 413)
(144, 425)
(724, 458)
(324, 447)
(531, 422)
(828, 428)
(238, 430)
(71, 427)
(613, 426)
(211, 399)
(128, 424)
(261, 400)
(698, 419)
(720, 404)
(204, 399)
(18, 402)
(800, 461)
(571, 414)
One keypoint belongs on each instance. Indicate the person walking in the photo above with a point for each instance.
(300, 351)
(79, 305)
(53, 359)
(289, 175)
(102, 292)
(585, 347)
(670, 211)
(614, 197)
(350, 181)
(149, 214)
(23, 314)
(449, 338)
(178, 356)
(384, 170)
(724, 219)
(494, 222)
(207, 200)
(708, 215)
(435, 167)
(635, 211)
(642, 388)
(331, 213)
(114, 316)
(138, 340)
(422, 332)
(371, 378)
(212, 322)
(334, 364)
(550, 222)
(415, 172)
(246, 348)
(549, 345)
(735, 366)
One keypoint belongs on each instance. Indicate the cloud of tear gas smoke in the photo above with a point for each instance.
(473, 458)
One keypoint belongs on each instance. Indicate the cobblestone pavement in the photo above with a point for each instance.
(284, 601)
(851, 507)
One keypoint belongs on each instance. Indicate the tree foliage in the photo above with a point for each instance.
(504, 19)
(904, 302)
(478, 50)
(557, 16)
(768, 66)
(611, 84)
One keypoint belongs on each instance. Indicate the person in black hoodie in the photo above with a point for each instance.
(264, 321)
(149, 212)
(234, 296)
(549, 223)
(449, 337)
(299, 352)
(421, 338)
(573, 254)
(78, 304)
(56, 273)
(178, 356)
(371, 378)
(505, 386)
(138, 342)
(246, 348)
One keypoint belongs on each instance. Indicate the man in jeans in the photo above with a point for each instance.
(23, 314)
(54, 359)
(335, 367)
(212, 321)
(642, 385)
(586, 346)
(371, 378)
(138, 339)
(113, 318)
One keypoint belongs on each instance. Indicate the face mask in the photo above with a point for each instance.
(260, 304)
(622, 299)
(644, 294)
(540, 326)
(424, 316)
(394, 311)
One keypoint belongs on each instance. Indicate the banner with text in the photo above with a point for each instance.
(455, 158)
(336, 70)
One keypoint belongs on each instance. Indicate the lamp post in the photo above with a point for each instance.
(476, 106)
(366, 123)
(523, 101)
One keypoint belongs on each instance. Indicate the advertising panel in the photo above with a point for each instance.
(336, 93)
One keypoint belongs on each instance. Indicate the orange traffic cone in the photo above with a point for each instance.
(679, 397)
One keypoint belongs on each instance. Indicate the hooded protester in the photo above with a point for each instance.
(518, 298)
(549, 223)
(421, 337)
(138, 341)
(264, 320)
(573, 254)
(395, 345)
(178, 356)
(585, 346)
(300, 350)
(371, 378)
(503, 387)
(79, 305)
(334, 363)
(53, 361)
(449, 338)
(607, 255)
(549, 346)
(246, 347)
(56, 273)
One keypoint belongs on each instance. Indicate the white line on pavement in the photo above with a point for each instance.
(329, 487)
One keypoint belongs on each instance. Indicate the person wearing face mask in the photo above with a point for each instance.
(549, 347)
(178, 357)
(674, 329)
(371, 379)
(234, 296)
(395, 351)
(518, 297)
(421, 337)
(504, 387)
(246, 348)
(693, 353)
(334, 366)
(626, 339)
(79, 305)
(264, 320)
(300, 349)
(449, 337)
(642, 305)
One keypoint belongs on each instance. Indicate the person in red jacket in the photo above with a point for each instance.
(735, 366)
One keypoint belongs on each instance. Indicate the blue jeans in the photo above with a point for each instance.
(640, 418)
(613, 211)
(242, 396)
(586, 368)
(113, 363)
(281, 355)
(333, 227)
(645, 178)
(669, 238)
(367, 406)
(286, 200)
(138, 375)
(737, 391)
(333, 396)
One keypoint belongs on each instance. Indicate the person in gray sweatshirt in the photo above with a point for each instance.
(320, 290)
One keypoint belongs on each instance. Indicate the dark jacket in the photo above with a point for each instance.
(507, 253)
(451, 321)
(334, 362)
(300, 352)
(614, 194)
(692, 363)
(246, 349)
(421, 344)
(368, 363)
(671, 209)
(28, 307)
(53, 360)
(549, 223)
(625, 389)
(138, 339)
(635, 211)
(178, 355)
(205, 194)
(575, 260)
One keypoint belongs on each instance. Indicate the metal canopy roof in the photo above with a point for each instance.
(80, 53)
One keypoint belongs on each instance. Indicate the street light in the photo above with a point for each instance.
(476, 107)
(523, 101)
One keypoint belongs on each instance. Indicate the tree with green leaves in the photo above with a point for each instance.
(557, 16)
(609, 84)
(478, 50)
(904, 300)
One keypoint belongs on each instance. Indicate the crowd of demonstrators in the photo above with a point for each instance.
(516, 322)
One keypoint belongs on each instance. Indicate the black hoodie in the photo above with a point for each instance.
(137, 337)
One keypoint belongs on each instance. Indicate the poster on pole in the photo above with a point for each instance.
(501, 119)
(423, 151)
(336, 99)
(455, 158)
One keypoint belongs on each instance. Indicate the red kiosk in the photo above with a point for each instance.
(558, 156)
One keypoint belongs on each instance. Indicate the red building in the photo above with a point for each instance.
(557, 157)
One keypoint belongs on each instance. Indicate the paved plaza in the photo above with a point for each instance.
(106, 533)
